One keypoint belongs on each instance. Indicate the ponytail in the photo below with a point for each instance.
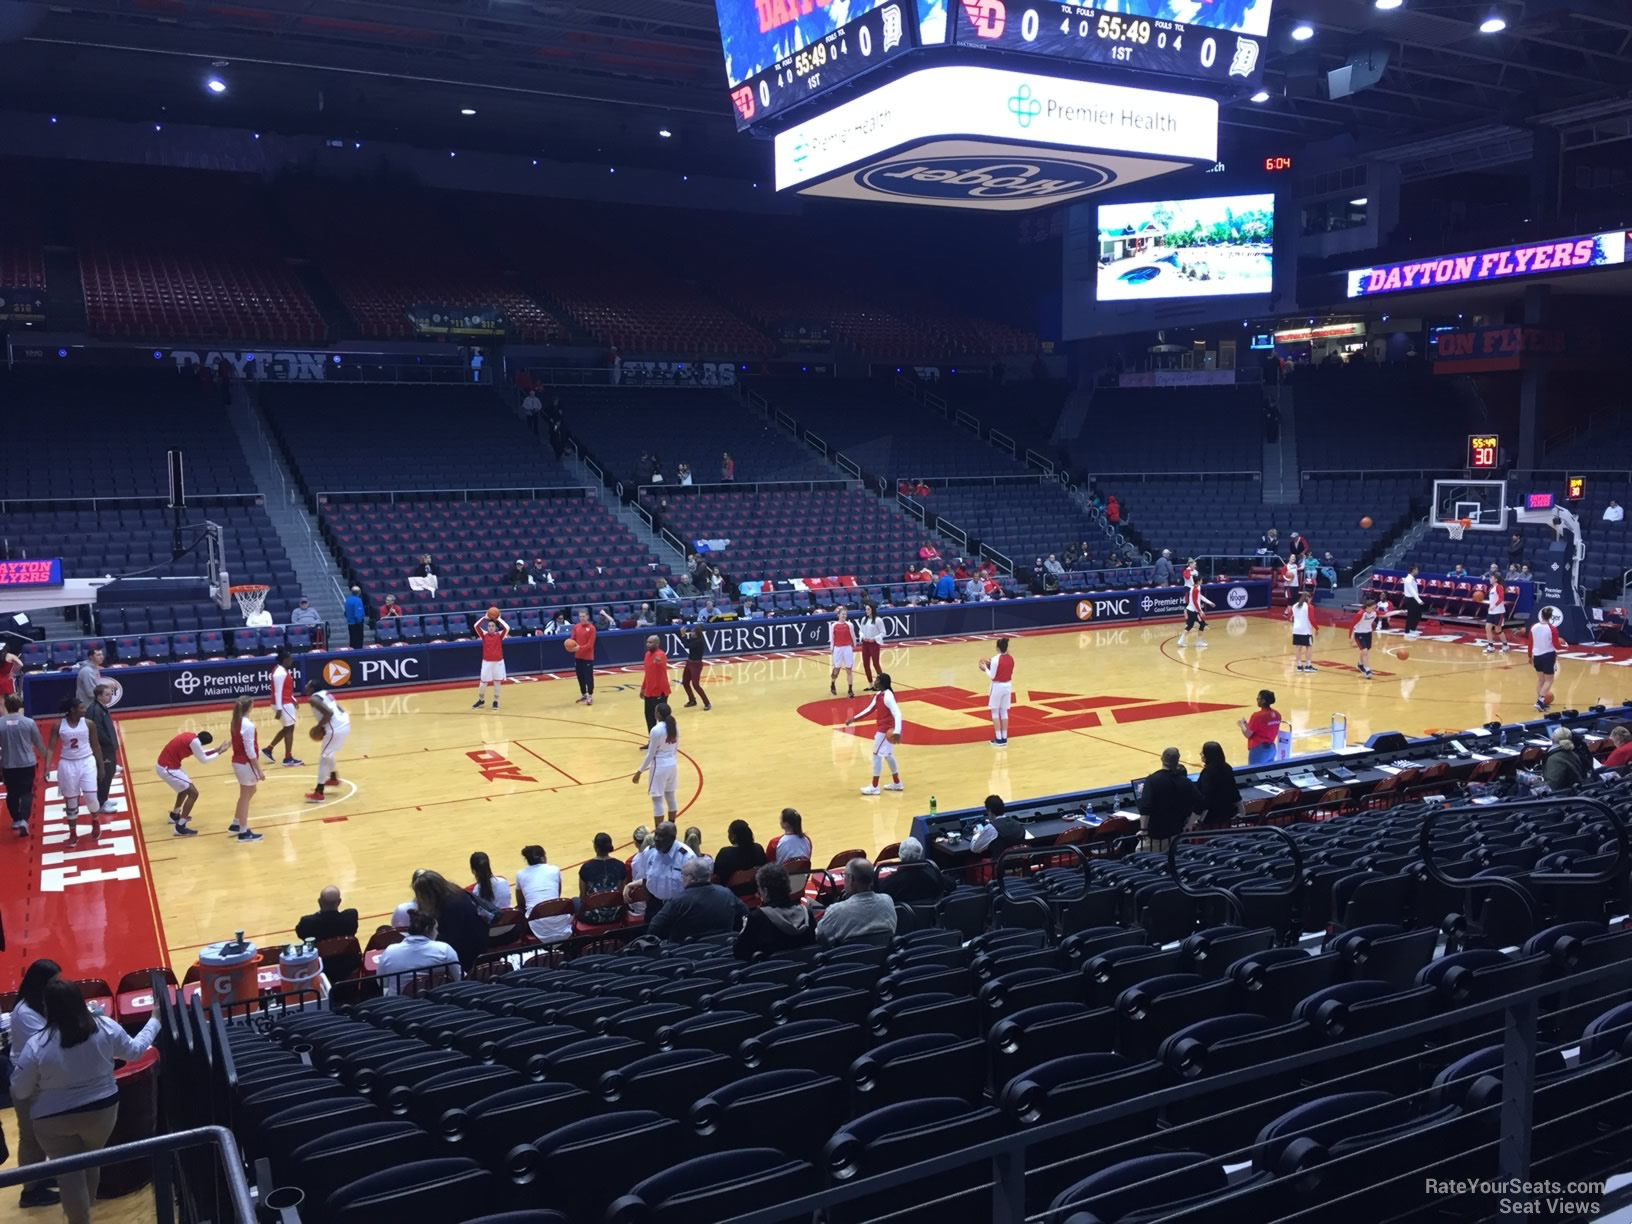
(481, 867)
(669, 725)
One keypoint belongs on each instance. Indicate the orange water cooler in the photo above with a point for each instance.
(227, 972)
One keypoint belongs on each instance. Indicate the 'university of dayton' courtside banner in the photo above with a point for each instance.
(1498, 263)
(219, 681)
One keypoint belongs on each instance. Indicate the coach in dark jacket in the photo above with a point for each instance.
(1169, 800)
(702, 908)
(330, 921)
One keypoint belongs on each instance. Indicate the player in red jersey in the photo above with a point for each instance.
(245, 766)
(169, 768)
(654, 681)
(583, 636)
(887, 715)
(1495, 614)
(1545, 643)
(283, 706)
(1001, 671)
(1194, 602)
(841, 637)
(492, 629)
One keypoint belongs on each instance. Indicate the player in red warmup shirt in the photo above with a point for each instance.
(492, 629)
(169, 768)
(583, 635)
(841, 636)
(887, 721)
(1001, 671)
(654, 681)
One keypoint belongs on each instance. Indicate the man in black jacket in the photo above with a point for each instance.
(330, 921)
(1168, 801)
(916, 879)
(702, 908)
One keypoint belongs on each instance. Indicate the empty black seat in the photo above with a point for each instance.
(433, 1189)
(708, 1188)
(807, 1105)
(667, 1082)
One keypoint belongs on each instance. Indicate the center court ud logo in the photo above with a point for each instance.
(982, 178)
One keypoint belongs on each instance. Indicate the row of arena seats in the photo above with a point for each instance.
(1354, 417)
(1022, 519)
(1202, 429)
(177, 646)
(699, 1087)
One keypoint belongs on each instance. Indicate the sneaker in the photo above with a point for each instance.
(334, 780)
(290, 761)
(1180, 642)
(1489, 649)
(39, 1196)
(706, 707)
(581, 699)
(833, 690)
(479, 704)
(1366, 672)
(1506, 648)
(589, 701)
(850, 692)
(234, 828)
(869, 790)
(96, 830)
(893, 786)
(495, 703)
(249, 837)
(1201, 643)
(316, 796)
(1541, 706)
(1414, 633)
(183, 830)
(688, 705)
(267, 753)
(20, 827)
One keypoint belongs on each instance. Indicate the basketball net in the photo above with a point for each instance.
(251, 599)
(1455, 527)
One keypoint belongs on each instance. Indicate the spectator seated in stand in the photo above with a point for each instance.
(418, 950)
(743, 854)
(703, 908)
(915, 878)
(864, 916)
(330, 921)
(780, 923)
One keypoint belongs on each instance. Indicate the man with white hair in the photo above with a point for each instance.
(1164, 568)
(704, 908)
(916, 878)
(865, 915)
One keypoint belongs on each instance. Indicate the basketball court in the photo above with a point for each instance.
(428, 780)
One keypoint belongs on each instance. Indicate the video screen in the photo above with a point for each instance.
(1236, 16)
(757, 33)
(1219, 246)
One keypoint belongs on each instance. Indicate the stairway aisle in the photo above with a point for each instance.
(315, 567)
(1282, 483)
(665, 559)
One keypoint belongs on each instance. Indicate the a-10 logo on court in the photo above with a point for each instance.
(960, 716)
(495, 766)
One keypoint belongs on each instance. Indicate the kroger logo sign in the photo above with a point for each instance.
(1237, 598)
(984, 178)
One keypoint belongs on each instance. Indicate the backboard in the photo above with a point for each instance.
(1469, 505)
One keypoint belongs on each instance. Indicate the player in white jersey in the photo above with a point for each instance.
(335, 725)
(662, 749)
(1545, 644)
(77, 767)
(1302, 615)
(886, 713)
(1194, 602)
(283, 707)
(1495, 615)
(1363, 627)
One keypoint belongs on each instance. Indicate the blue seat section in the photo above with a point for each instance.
(694, 426)
(592, 556)
(139, 415)
(1171, 429)
(1355, 417)
(102, 541)
(341, 438)
(1025, 520)
(1226, 517)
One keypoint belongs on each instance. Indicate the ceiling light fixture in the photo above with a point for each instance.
(664, 133)
(1389, 4)
(1493, 24)
(1360, 203)
(1261, 96)
(465, 110)
(216, 85)
(1303, 32)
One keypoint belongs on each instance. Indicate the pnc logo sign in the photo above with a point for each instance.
(984, 178)
(952, 715)
(337, 673)
(1097, 609)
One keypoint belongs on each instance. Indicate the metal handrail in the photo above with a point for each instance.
(1229, 894)
(155, 501)
(155, 1148)
(463, 494)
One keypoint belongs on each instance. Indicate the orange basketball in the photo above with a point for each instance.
(570, 646)
(493, 612)
(1366, 521)
(1402, 653)
(316, 733)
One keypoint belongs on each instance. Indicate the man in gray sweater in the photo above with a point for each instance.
(863, 914)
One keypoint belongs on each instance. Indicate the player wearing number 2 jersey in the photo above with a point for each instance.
(1001, 670)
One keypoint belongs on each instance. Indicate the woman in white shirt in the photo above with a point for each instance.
(417, 950)
(791, 843)
(492, 893)
(66, 1075)
(661, 748)
(27, 1019)
(541, 881)
(1303, 633)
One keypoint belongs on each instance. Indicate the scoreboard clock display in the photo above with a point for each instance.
(1575, 488)
(1120, 40)
(882, 33)
(1483, 451)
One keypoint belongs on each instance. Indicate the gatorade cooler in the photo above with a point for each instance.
(301, 968)
(227, 972)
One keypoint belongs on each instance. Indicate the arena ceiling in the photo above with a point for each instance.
(601, 79)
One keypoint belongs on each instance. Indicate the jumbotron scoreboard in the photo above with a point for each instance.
(997, 104)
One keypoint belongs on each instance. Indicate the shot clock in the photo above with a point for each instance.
(1483, 451)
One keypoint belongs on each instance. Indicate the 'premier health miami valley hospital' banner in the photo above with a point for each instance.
(219, 681)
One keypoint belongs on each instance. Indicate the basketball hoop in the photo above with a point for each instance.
(251, 599)
(1455, 527)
